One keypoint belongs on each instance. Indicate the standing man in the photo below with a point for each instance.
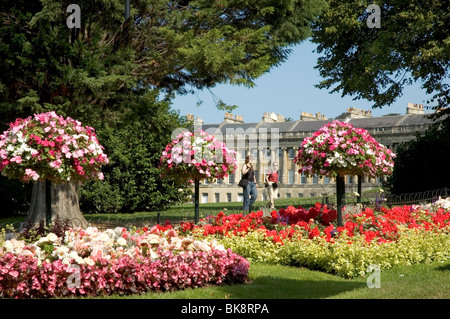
(272, 184)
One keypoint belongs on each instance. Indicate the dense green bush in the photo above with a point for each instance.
(421, 164)
(134, 144)
(14, 197)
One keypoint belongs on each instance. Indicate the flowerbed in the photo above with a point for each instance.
(295, 236)
(89, 262)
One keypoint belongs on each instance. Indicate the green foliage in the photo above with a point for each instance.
(377, 63)
(168, 45)
(14, 197)
(427, 155)
(134, 144)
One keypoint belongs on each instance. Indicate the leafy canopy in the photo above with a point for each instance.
(172, 46)
(412, 45)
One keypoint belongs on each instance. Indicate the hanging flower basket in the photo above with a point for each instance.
(340, 149)
(49, 147)
(197, 155)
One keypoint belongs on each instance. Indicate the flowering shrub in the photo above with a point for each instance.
(48, 146)
(198, 155)
(340, 147)
(89, 262)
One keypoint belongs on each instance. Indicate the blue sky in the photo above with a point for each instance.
(289, 90)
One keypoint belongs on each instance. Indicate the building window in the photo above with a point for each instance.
(229, 197)
(256, 175)
(217, 197)
(231, 178)
(219, 181)
(268, 152)
(288, 195)
(243, 154)
(326, 180)
(240, 197)
(204, 198)
(300, 194)
(291, 153)
(349, 179)
(280, 153)
(312, 195)
(315, 179)
(291, 176)
(303, 179)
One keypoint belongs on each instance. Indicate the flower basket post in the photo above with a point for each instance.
(340, 196)
(358, 200)
(56, 154)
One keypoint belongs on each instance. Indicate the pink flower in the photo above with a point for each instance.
(65, 149)
(17, 159)
(56, 164)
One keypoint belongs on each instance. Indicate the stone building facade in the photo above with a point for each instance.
(276, 139)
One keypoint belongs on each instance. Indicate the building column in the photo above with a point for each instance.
(285, 166)
(260, 166)
(297, 176)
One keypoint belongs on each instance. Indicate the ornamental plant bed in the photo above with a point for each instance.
(295, 236)
(87, 262)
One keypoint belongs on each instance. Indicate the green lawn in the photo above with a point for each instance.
(420, 281)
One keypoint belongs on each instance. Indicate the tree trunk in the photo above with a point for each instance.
(64, 204)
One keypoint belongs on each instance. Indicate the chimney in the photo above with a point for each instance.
(354, 113)
(269, 117)
(230, 118)
(414, 109)
(304, 116)
(280, 118)
(198, 121)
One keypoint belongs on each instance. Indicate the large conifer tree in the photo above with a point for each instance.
(119, 75)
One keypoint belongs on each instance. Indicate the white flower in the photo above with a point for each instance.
(66, 261)
(89, 261)
(52, 237)
(103, 237)
(61, 252)
(8, 245)
(121, 241)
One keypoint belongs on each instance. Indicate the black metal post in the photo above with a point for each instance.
(359, 189)
(127, 9)
(197, 191)
(340, 196)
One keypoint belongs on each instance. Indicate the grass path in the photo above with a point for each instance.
(420, 281)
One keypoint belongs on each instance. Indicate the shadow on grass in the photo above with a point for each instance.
(444, 267)
(268, 287)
